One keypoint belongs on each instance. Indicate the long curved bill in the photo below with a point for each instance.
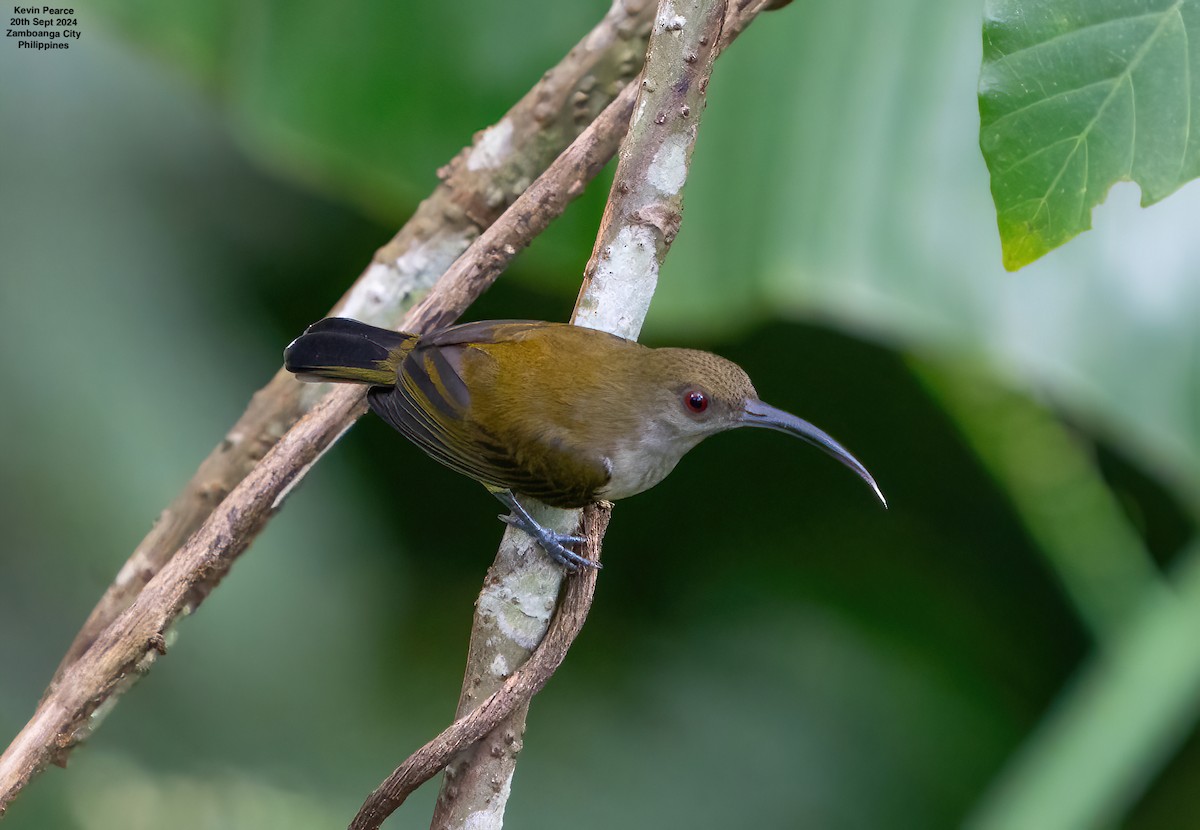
(759, 414)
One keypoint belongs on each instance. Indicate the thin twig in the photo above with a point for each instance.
(520, 686)
(477, 186)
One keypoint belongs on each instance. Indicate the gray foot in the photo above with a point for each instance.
(552, 542)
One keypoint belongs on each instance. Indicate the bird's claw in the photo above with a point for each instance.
(569, 559)
(561, 538)
(554, 543)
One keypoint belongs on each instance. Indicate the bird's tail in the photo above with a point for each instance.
(348, 351)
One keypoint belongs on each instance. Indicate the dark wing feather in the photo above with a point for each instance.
(430, 405)
(499, 331)
(404, 415)
(557, 472)
(483, 332)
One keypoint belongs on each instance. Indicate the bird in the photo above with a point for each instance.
(553, 412)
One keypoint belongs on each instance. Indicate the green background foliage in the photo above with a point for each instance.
(193, 183)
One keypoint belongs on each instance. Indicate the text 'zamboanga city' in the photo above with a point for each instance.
(33, 31)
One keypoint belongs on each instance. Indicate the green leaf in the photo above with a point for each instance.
(1074, 97)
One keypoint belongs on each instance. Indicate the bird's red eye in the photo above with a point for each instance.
(695, 401)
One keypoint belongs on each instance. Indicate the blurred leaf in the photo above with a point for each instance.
(1114, 727)
(364, 99)
(114, 792)
(1077, 96)
(1058, 491)
(197, 36)
(791, 708)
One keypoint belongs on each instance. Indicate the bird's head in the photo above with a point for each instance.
(699, 394)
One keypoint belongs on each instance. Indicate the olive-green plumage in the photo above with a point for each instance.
(560, 413)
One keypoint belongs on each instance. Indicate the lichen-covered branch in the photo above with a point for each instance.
(491, 711)
(477, 186)
(128, 646)
(640, 221)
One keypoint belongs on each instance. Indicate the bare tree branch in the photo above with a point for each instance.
(477, 186)
(127, 647)
(490, 712)
(640, 222)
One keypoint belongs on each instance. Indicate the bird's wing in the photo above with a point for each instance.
(483, 332)
(430, 405)
(551, 468)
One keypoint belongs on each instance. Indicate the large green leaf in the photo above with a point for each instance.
(1076, 96)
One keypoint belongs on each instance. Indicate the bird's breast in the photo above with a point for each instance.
(637, 465)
